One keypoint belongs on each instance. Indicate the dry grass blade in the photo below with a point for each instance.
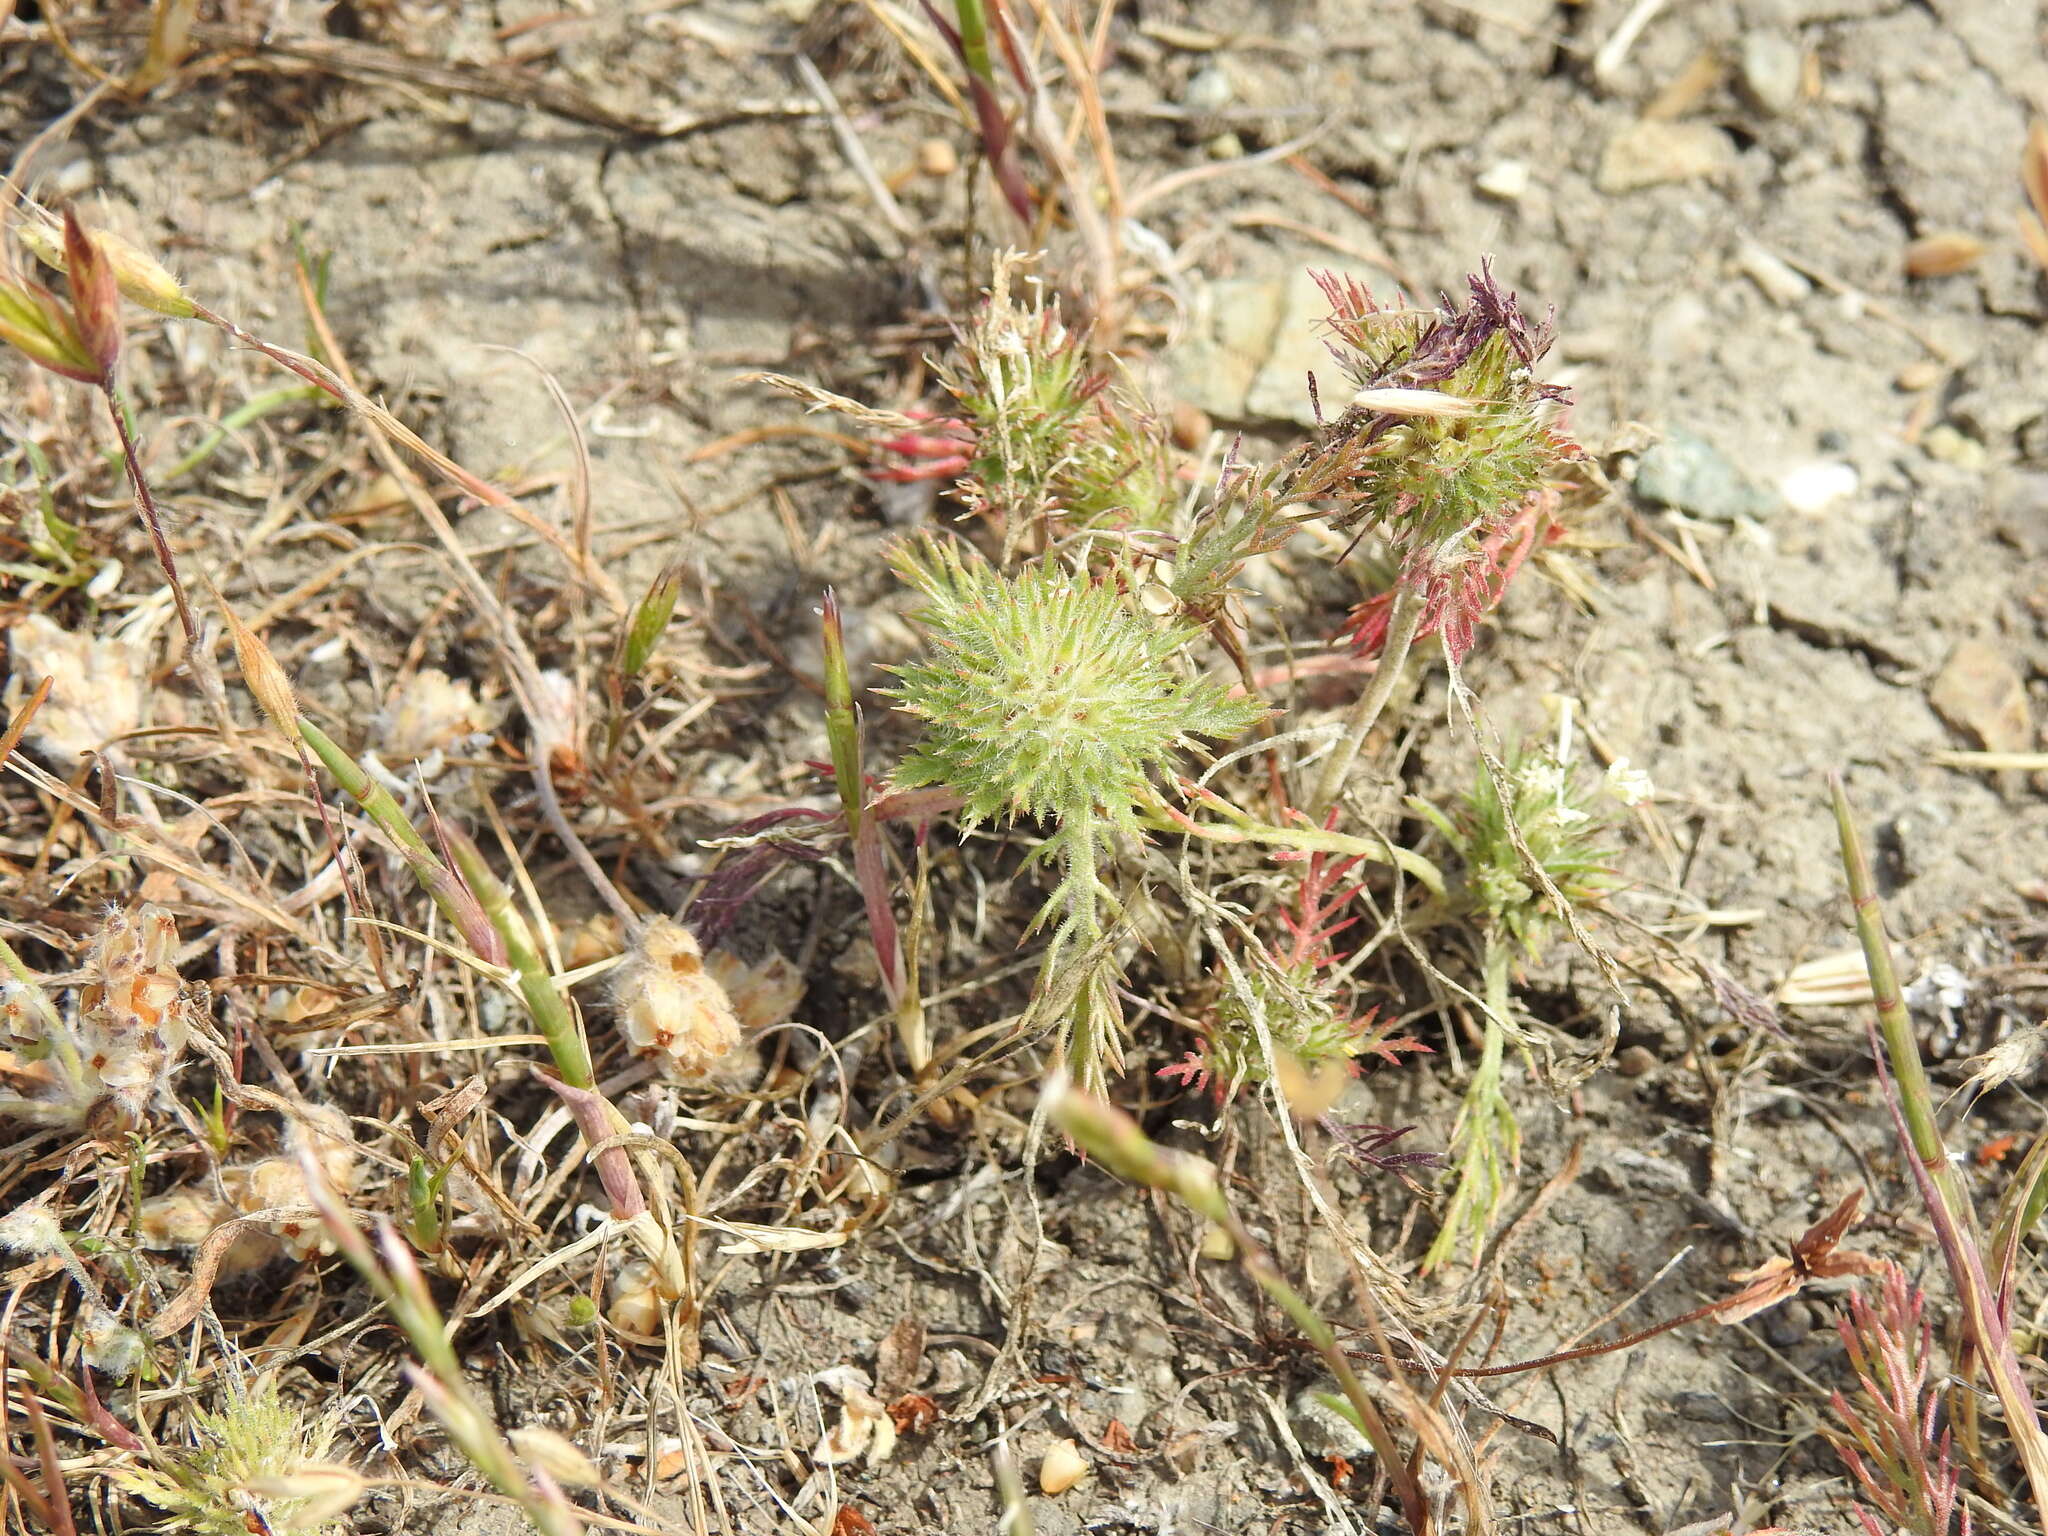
(170, 41)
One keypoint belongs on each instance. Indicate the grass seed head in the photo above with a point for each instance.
(95, 295)
(140, 277)
(38, 324)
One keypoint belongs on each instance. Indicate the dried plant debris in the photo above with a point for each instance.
(105, 1061)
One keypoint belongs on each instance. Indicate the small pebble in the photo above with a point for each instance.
(1507, 180)
(1791, 1323)
(1781, 283)
(1650, 153)
(1209, 89)
(1692, 475)
(1771, 68)
(1950, 446)
(1815, 487)
(1062, 1467)
(1635, 1061)
(1916, 376)
(938, 157)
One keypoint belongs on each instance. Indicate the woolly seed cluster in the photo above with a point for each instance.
(1043, 694)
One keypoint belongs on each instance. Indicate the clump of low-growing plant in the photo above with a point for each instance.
(1538, 814)
(1049, 695)
(255, 1458)
(1104, 638)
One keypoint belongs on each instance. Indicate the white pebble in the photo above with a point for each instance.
(1507, 180)
(1815, 487)
(1781, 283)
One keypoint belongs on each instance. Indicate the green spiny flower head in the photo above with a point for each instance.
(1564, 826)
(1044, 694)
(256, 1451)
(1053, 434)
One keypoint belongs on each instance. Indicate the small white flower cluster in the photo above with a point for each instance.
(1631, 786)
(1550, 782)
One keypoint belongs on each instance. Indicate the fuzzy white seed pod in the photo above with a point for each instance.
(430, 713)
(98, 683)
(670, 1008)
(110, 1346)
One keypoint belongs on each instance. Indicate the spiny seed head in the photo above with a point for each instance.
(1041, 422)
(1431, 478)
(1562, 823)
(255, 1447)
(1045, 694)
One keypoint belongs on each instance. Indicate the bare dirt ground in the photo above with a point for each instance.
(1720, 215)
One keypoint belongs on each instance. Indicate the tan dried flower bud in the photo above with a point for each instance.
(597, 937)
(274, 1183)
(763, 994)
(132, 1025)
(140, 277)
(670, 1008)
(555, 1455)
(185, 1218)
(265, 676)
(636, 1306)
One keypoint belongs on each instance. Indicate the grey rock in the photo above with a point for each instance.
(1651, 153)
(1324, 1430)
(1770, 67)
(1209, 89)
(1689, 474)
